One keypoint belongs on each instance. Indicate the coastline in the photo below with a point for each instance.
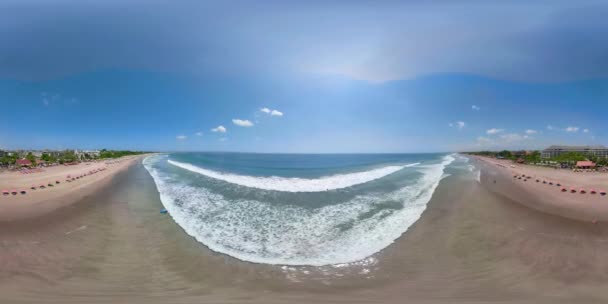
(475, 243)
(39, 202)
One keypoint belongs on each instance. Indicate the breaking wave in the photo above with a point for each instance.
(294, 184)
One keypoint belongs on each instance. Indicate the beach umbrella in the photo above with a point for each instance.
(14, 191)
(5, 192)
(551, 183)
(544, 182)
(57, 182)
(564, 189)
(33, 187)
(592, 191)
(42, 186)
(23, 192)
(582, 191)
(603, 192)
(572, 190)
(559, 185)
(50, 184)
(537, 180)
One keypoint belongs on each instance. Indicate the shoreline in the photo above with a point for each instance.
(41, 201)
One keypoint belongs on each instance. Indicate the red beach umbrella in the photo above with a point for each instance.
(5, 192)
(582, 191)
(603, 192)
(564, 189)
(592, 191)
(14, 191)
(33, 187)
(572, 190)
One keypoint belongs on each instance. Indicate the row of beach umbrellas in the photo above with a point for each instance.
(68, 178)
(558, 184)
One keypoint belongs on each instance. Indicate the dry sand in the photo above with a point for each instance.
(41, 201)
(498, 175)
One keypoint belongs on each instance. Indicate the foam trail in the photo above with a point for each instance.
(295, 184)
(260, 232)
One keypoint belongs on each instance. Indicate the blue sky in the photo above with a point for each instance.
(319, 76)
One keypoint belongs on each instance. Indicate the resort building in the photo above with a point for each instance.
(554, 151)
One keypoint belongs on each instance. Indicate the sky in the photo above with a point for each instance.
(302, 76)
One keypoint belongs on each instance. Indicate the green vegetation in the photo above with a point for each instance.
(116, 154)
(31, 158)
(570, 158)
(533, 158)
(8, 160)
(67, 156)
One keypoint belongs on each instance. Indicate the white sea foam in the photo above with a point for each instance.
(294, 184)
(261, 232)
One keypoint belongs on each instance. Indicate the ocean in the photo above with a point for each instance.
(297, 209)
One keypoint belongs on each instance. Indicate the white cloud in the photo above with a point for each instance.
(571, 129)
(242, 123)
(181, 137)
(586, 130)
(219, 129)
(459, 124)
(271, 112)
(494, 131)
(530, 131)
(198, 133)
(475, 108)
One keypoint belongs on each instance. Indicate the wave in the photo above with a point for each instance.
(261, 232)
(294, 184)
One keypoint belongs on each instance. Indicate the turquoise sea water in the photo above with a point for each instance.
(297, 209)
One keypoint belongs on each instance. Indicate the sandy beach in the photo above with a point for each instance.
(472, 244)
(540, 190)
(40, 201)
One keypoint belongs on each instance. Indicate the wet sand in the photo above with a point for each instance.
(472, 244)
